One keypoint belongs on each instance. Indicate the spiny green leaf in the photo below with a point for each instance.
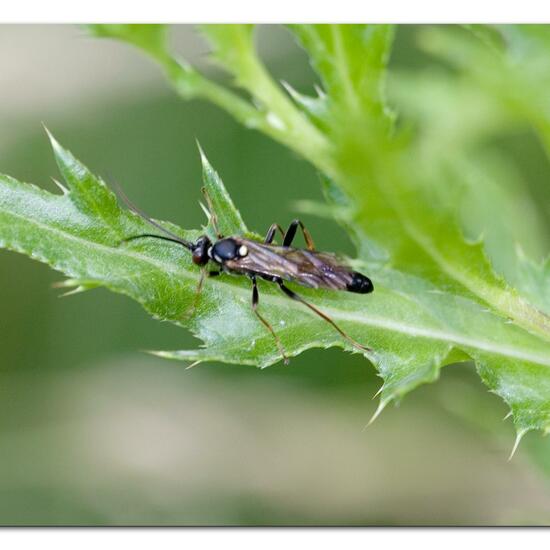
(241, 50)
(516, 75)
(351, 61)
(89, 192)
(150, 38)
(413, 327)
(233, 48)
(228, 218)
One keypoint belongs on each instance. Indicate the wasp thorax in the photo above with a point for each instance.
(225, 249)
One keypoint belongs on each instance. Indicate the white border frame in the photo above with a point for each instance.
(237, 11)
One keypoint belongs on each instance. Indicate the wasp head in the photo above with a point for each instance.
(200, 250)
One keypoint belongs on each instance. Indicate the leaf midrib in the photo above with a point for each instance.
(373, 321)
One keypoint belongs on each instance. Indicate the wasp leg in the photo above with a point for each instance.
(271, 233)
(298, 298)
(255, 301)
(291, 233)
(213, 217)
(190, 311)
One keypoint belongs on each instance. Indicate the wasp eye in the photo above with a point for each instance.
(243, 251)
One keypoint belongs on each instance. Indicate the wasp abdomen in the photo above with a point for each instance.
(360, 284)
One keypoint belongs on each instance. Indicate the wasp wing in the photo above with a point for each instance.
(306, 267)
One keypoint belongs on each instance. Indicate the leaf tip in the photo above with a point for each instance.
(178, 355)
(204, 160)
(75, 286)
(56, 146)
(62, 156)
(54, 143)
(46, 128)
(381, 406)
(159, 353)
(519, 437)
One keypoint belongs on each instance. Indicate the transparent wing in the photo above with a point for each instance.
(306, 267)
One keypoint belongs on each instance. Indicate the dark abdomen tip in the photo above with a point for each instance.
(360, 284)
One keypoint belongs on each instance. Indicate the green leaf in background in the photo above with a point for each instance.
(150, 38)
(351, 61)
(449, 286)
(513, 77)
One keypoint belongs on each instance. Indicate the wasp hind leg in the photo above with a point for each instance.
(291, 294)
(291, 233)
(267, 325)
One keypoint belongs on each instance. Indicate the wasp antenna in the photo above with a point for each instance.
(150, 221)
(151, 236)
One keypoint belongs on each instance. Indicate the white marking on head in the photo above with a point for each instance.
(243, 250)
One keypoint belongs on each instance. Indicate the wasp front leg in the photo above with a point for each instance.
(267, 325)
(271, 233)
(190, 311)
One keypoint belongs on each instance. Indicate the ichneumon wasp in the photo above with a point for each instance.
(239, 255)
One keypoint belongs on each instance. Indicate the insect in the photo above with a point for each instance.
(277, 264)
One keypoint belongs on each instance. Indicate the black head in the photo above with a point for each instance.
(360, 284)
(228, 249)
(200, 250)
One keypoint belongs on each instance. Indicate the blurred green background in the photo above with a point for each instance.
(93, 431)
